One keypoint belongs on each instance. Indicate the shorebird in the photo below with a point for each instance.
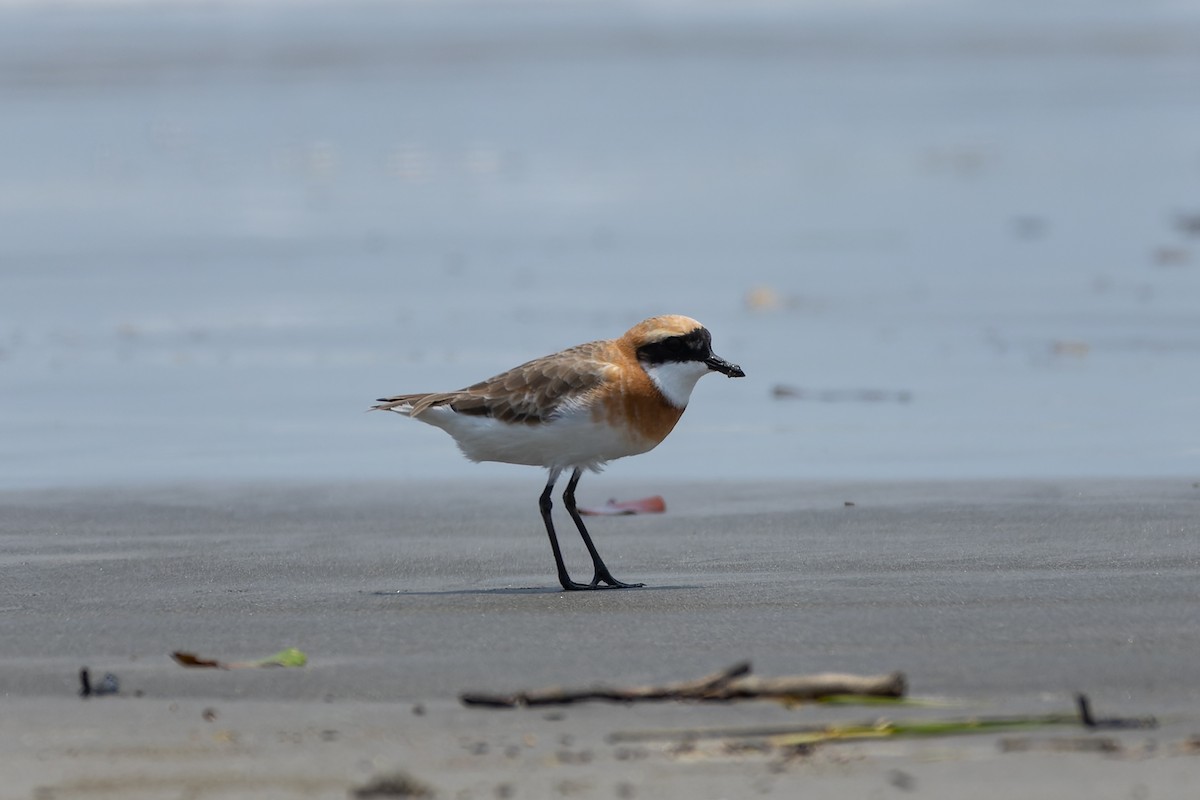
(577, 409)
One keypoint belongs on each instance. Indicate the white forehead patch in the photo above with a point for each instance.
(676, 379)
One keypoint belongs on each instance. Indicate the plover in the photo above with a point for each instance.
(577, 409)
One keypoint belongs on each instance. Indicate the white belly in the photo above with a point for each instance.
(573, 440)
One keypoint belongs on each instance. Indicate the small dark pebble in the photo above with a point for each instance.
(398, 784)
(418, 710)
(208, 714)
(108, 685)
(849, 504)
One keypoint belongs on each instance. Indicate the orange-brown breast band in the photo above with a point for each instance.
(630, 400)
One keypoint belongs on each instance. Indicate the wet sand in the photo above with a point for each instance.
(1004, 597)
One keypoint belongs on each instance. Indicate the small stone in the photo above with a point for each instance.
(398, 784)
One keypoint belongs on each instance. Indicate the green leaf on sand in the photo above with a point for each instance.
(288, 657)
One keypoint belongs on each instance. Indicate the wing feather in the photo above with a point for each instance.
(532, 393)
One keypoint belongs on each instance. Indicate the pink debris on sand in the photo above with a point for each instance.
(647, 505)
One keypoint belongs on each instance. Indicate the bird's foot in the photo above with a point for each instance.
(599, 582)
(611, 583)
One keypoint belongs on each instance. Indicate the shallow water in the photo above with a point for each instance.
(957, 236)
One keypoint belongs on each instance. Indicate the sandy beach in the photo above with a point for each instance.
(996, 598)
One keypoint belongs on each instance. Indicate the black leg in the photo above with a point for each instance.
(545, 504)
(602, 574)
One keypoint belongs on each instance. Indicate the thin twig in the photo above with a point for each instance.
(1085, 717)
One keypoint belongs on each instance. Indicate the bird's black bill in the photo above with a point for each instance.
(724, 367)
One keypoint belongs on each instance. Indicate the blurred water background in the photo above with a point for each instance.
(944, 239)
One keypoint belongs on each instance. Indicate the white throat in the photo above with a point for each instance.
(676, 379)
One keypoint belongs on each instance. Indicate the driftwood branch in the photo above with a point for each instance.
(813, 687)
(733, 683)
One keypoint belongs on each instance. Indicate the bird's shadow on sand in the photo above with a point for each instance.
(511, 590)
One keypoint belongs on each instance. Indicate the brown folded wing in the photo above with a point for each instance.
(531, 393)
